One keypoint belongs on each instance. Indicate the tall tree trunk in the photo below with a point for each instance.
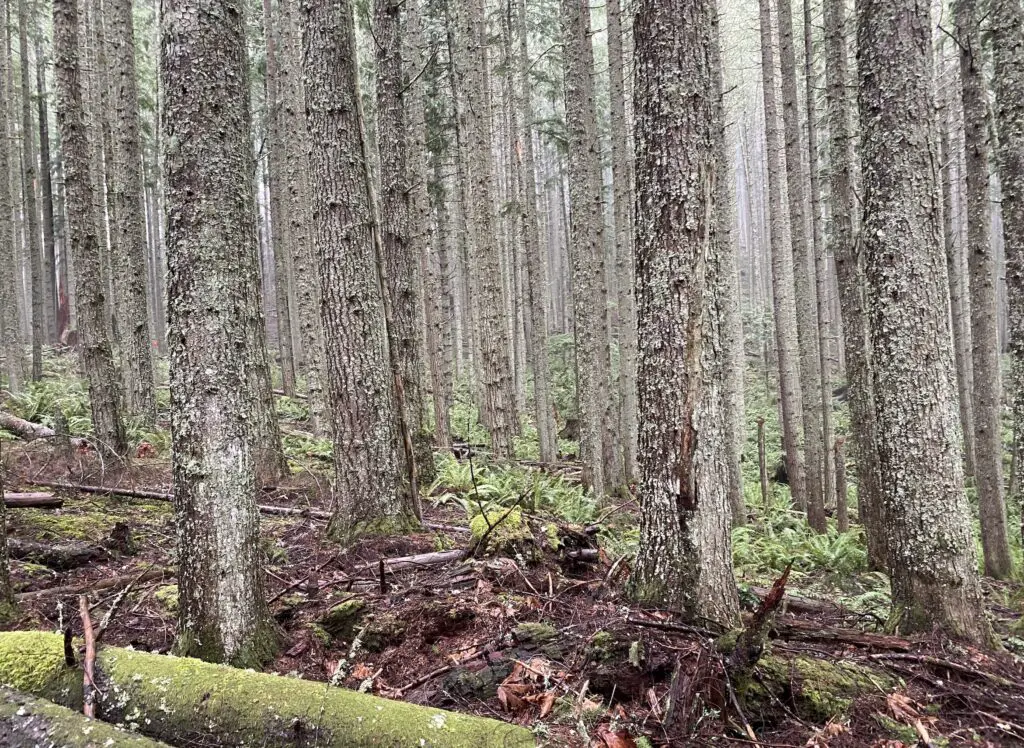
(1007, 25)
(928, 526)
(587, 253)
(622, 189)
(10, 328)
(130, 245)
(400, 261)
(806, 304)
(782, 274)
(31, 206)
(852, 282)
(684, 559)
(278, 224)
(97, 358)
(46, 195)
(366, 465)
(305, 264)
(988, 406)
(537, 277)
(469, 53)
(217, 333)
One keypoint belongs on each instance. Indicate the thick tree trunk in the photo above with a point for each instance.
(587, 253)
(216, 333)
(981, 270)
(1007, 25)
(31, 206)
(684, 559)
(850, 274)
(468, 46)
(84, 242)
(130, 245)
(928, 526)
(782, 274)
(10, 327)
(46, 195)
(360, 386)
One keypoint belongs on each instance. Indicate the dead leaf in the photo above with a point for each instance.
(362, 671)
(821, 736)
(607, 738)
(547, 703)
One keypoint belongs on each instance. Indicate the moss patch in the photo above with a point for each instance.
(340, 622)
(506, 532)
(167, 596)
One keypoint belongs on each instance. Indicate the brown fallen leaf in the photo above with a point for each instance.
(608, 738)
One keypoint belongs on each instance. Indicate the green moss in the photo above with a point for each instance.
(196, 702)
(535, 633)
(59, 525)
(505, 530)
(167, 596)
(383, 631)
(340, 622)
(341, 531)
(726, 643)
(319, 634)
(604, 646)
(551, 534)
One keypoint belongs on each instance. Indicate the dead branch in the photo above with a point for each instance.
(60, 556)
(419, 560)
(794, 628)
(14, 500)
(94, 585)
(88, 684)
(751, 641)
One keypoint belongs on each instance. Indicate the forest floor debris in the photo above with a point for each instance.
(538, 630)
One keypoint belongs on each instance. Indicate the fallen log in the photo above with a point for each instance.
(59, 556)
(94, 585)
(420, 560)
(189, 702)
(13, 500)
(794, 628)
(28, 722)
(798, 604)
(30, 431)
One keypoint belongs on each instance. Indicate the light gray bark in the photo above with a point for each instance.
(782, 274)
(216, 333)
(10, 328)
(97, 359)
(360, 385)
(130, 245)
(684, 559)
(31, 206)
(981, 271)
(931, 553)
(46, 198)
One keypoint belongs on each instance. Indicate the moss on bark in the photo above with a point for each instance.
(191, 701)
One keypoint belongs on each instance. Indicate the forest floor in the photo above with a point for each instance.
(540, 630)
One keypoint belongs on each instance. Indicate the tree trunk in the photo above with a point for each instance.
(468, 46)
(216, 333)
(366, 488)
(842, 510)
(587, 253)
(6, 590)
(684, 559)
(130, 245)
(988, 406)
(10, 327)
(782, 274)
(84, 243)
(850, 274)
(46, 194)
(31, 207)
(806, 302)
(1007, 25)
(305, 264)
(928, 526)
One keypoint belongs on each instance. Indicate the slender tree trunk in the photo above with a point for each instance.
(468, 47)
(278, 224)
(622, 188)
(587, 253)
(806, 304)
(842, 510)
(782, 274)
(216, 335)
(1007, 27)
(684, 559)
(305, 264)
(928, 527)
(852, 282)
(46, 194)
(988, 406)
(97, 359)
(131, 248)
(6, 590)
(31, 206)
(366, 488)
(10, 328)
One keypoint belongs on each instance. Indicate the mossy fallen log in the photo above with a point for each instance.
(187, 702)
(28, 722)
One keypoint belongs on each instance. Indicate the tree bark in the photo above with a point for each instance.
(10, 327)
(928, 527)
(46, 195)
(684, 559)
(782, 274)
(986, 390)
(130, 247)
(850, 274)
(84, 241)
(216, 333)
(1007, 28)
(367, 499)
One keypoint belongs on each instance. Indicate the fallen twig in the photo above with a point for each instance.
(96, 584)
(88, 684)
(949, 665)
(399, 692)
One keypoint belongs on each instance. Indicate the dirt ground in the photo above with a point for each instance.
(538, 634)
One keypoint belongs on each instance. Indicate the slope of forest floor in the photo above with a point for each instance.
(539, 629)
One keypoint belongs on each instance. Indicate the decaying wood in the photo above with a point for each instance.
(95, 585)
(88, 682)
(417, 561)
(798, 604)
(29, 431)
(15, 500)
(794, 628)
(752, 640)
(60, 556)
